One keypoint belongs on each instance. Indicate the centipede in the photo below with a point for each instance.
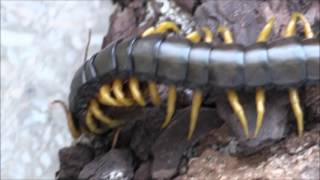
(128, 72)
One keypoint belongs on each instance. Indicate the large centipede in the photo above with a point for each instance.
(114, 76)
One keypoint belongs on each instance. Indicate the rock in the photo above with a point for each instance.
(72, 160)
(295, 144)
(123, 24)
(146, 131)
(271, 163)
(274, 123)
(143, 172)
(116, 164)
(187, 5)
(172, 143)
(240, 16)
(312, 101)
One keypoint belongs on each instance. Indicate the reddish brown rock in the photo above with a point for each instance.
(143, 172)
(172, 143)
(272, 163)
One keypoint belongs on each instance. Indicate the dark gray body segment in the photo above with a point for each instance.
(173, 60)
(226, 66)
(312, 52)
(287, 62)
(256, 67)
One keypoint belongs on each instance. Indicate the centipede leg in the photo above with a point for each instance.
(194, 37)
(197, 94)
(208, 35)
(106, 98)
(166, 26)
(135, 91)
(171, 103)
(260, 101)
(154, 94)
(119, 94)
(232, 95)
(92, 125)
(74, 131)
(196, 103)
(293, 93)
(260, 93)
(237, 108)
(98, 114)
(297, 110)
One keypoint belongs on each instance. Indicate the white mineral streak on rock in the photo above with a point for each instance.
(170, 11)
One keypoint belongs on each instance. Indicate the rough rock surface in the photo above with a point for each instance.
(172, 143)
(72, 160)
(116, 164)
(293, 158)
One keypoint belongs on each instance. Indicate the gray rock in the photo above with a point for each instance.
(187, 5)
(115, 165)
(172, 143)
(72, 160)
(146, 132)
(143, 172)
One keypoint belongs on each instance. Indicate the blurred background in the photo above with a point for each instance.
(42, 45)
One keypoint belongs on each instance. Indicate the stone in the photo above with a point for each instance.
(172, 143)
(116, 164)
(146, 131)
(187, 5)
(72, 160)
(312, 101)
(267, 164)
(143, 172)
(240, 16)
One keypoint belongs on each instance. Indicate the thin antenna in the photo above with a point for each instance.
(87, 46)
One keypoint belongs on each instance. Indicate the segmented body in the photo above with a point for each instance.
(174, 60)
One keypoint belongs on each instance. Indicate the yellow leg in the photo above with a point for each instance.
(232, 95)
(265, 32)
(106, 98)
(148, 31)
(260, 101)
(91, 124)
(293, 93)
(166, 26)
(98, 114)
(135, 91)
(197, 94)
(172, 96)
(154, 94)
(291, 27)
(208, 35)
(118, 92)
(260, 94)
(226, 34)
(295, 104)
(75, 132)
(237, 108)
(194, 37)
(196, 103)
